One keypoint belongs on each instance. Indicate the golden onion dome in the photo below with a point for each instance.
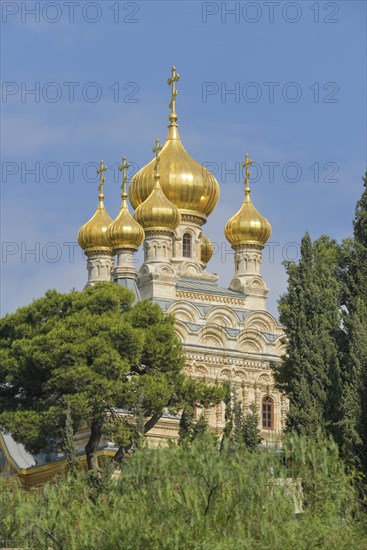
(185, 182)
(157, 212)
(124, 231)
(93, 234)
(247, 226)
(207, 249)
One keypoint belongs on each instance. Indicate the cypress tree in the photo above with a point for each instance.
(353, 408)
(310, 313)
(250, 429)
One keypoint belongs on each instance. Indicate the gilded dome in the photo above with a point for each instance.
(93, 234)
(185, 182)
(207, 249)
(124, 231)
(247, 226)
(157, 213)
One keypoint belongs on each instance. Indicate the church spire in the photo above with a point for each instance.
(246, 165)
(248, 231)
(175, 77)
(124, 166)
(93, 238)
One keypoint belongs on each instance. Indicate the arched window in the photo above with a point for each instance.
(186, 245)
(267, 413)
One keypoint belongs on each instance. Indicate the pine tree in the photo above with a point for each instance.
(353, 407)
(97, 352)
(310, 313)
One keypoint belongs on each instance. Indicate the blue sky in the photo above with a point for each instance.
(298, 75)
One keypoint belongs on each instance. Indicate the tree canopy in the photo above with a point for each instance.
(310, 313)
(199, 498)
(93, 353)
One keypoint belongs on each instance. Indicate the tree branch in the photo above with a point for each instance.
(121, 452)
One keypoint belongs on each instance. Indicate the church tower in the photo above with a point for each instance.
(159, 217)
(248, 231)
(190, 187)
(125, 235)
(94, 240)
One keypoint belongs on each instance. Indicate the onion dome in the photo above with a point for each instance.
(185, 182)
(247, 226)
(157, 212)
(207, 249)
(124, 231)
(93, 234)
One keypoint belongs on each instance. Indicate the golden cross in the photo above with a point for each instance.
(172, 82)
(156, 150)
(102, 168)
(124, 166)
(246, 164)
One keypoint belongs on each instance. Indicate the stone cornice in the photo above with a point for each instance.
(202, 297)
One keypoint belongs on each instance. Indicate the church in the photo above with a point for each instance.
(227, 333)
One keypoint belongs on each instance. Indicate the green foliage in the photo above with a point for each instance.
(198, 498)
(310, 313)
(242, 427)
(353, 407)
(92, 352)
(186, 425)
(68, 445)
(251, 432)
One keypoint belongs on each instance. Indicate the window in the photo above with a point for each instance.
(267, 413)
(186, 245)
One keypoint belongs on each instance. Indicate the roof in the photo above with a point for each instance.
(199, 286)
(17, 452)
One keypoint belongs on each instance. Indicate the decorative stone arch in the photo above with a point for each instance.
(256, 282)
(237, 284)
(265, 378)
(211, 332)
(182, 229)
(261, 321)
(181, 331)
(225, 374)
(185, 312)
(280, 347)
(223, 316)
(190, 268)
(252, 341)
(240, 374)
(166, 270)
(201, 370)
(144, 271)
